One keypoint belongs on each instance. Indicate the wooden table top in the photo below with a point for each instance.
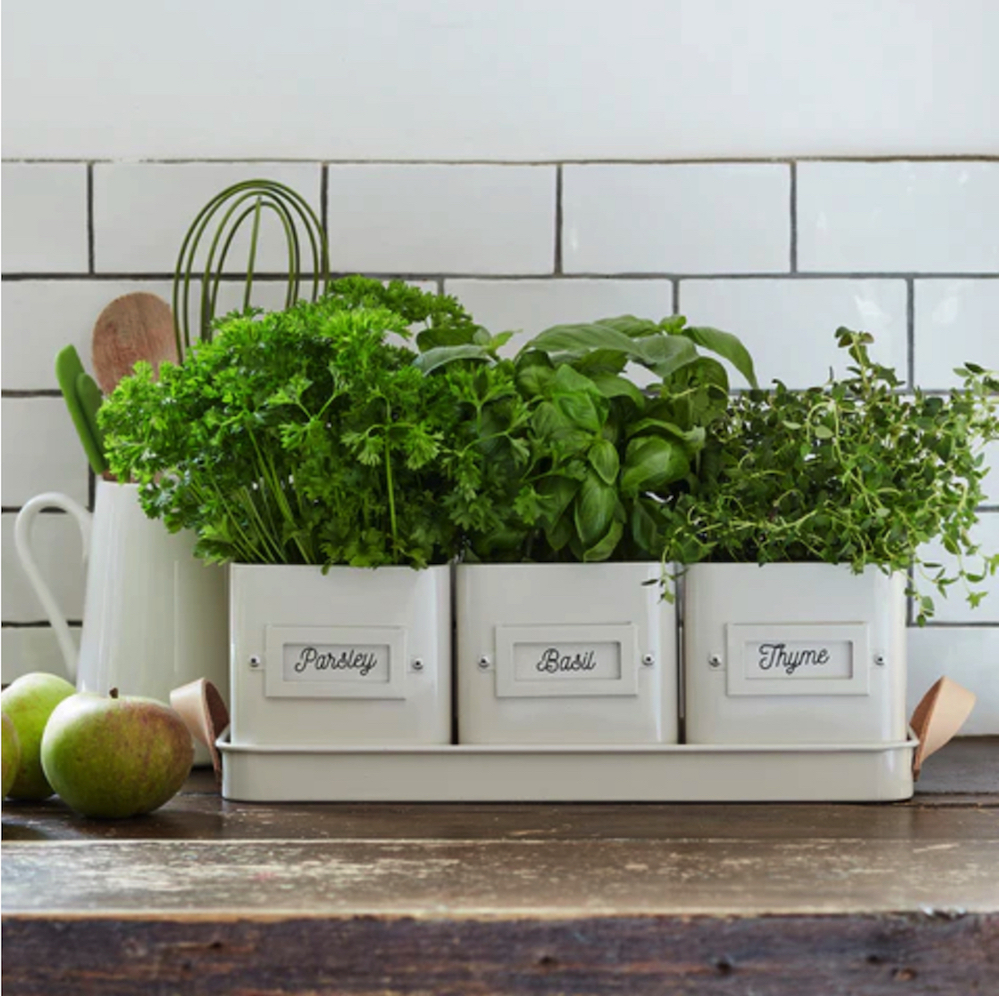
(209, 896)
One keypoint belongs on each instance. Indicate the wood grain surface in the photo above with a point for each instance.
(207, 896)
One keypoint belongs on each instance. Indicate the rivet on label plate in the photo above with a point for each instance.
(255, 660)
(715, 660)
(648, 660)
(417, 665)
(484, 662)
(879, 659)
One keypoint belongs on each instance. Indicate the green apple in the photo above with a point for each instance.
(29, 701)
(115, 757)
(11, 753)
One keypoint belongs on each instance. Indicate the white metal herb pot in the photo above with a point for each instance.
(793, 653)
(565, 654)
(355, 656)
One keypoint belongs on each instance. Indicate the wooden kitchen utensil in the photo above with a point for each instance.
(134, 327)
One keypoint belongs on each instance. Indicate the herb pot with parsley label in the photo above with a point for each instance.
(154, 616)
(794, 653)
(565, 654)
(348, 656)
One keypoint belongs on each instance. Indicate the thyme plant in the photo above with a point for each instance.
(853, 472)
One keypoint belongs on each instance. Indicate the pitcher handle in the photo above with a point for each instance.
(22, 540)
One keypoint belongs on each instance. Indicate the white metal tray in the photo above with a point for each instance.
(627, 773)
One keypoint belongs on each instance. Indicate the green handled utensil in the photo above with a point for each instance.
(83, 397)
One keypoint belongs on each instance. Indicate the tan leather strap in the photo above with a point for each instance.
(940, 714)
(201, 707)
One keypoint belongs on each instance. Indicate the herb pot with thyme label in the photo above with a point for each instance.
(793, 653)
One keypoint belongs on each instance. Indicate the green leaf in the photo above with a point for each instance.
(725, 345)
(666, 354)
(630, 325)
(579, 339)
(645, 529)
(557, 494)
(604, 547)
(549, 422)
(448, 335)
(439, 356)
(594, 509)
(613, 386)
(570, 381)
(604, 460)
(534, 373)
(651, 462)
(694, 438)
(559, 535)
(580, 410)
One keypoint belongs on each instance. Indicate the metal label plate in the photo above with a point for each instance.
(813, 659)
(334, 662)
(552, 661)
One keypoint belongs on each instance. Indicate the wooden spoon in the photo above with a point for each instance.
(133, 327)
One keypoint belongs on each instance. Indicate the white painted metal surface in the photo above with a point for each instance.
(760, 773)
(793, 653)
(565, 653)
(353, 656)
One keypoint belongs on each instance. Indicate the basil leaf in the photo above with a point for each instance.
(605, 547)
(604, 460)
(645, 529)
(613, 386)
(594, 510)
(650, 462)
(576, 340)
(727, 346)
(439, 356)
(580, 410)
(557, 494)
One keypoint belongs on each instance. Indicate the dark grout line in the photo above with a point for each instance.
(14, 509)
(558, 220)
(910, 330)
(639, 161)
(546, 275)
(794, 217)
(42, 392)
(41, 624)
(676, 297)
(90, 218)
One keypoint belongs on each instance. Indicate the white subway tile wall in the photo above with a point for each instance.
(41, 451)
(680, 218)
(44, 224)
(968, 655)
(956, 321)
(779, 252)
(789, 326)
(58, 552)
(924, 217)
(953, 607)
(142, 210)
(397, 219)
(40, 317)
(26, 649)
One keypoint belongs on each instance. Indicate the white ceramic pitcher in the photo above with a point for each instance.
(154, 618)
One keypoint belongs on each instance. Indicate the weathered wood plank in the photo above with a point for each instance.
(504, 878)
(627, 956)
(201, 816)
